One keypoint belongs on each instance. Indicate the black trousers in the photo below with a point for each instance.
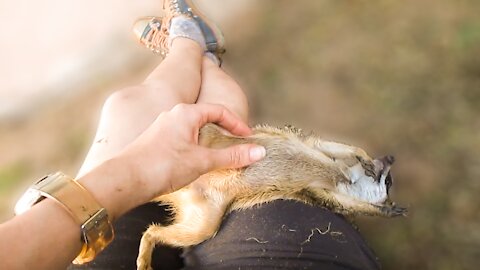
(277, 235)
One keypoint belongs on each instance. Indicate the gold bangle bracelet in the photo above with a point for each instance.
(96, 229)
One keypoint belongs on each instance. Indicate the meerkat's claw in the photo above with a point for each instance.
(393, 210)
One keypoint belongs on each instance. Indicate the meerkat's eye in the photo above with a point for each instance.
(388, 182)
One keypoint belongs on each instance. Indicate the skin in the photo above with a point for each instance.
(145, 135)
(131, 178)
(128, 112)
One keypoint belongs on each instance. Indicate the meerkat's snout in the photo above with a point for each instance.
(383, 165)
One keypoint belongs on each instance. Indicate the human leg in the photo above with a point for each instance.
(128, 112)
(218, 87)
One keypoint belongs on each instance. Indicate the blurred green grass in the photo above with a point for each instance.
(9, 174)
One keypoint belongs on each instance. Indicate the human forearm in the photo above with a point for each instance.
(45, 237)
(48, 237)
(115, 187)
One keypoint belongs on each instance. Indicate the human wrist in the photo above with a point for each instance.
(112, 185)
(152, 174)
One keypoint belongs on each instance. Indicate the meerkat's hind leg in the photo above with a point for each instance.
(147, 244)
(193, 224)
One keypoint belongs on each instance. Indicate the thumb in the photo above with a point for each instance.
(237, 156)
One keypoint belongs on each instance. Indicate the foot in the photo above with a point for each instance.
(153, 32)
(147, 31)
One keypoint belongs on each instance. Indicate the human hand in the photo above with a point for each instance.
(167, 155)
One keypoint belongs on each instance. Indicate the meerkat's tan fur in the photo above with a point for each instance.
(340, 177)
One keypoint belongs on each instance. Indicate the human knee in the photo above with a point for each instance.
(129, 101)
(121, 98)
(137, 96)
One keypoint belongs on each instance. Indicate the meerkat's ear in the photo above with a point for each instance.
(214, 136)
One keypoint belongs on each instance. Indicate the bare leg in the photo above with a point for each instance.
(219, 88)
(128, 112)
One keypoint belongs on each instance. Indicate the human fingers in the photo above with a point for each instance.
(234, 157)
(219, 114)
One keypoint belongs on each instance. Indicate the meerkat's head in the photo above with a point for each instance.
(369, 183)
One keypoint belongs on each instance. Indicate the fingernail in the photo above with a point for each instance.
(257, 153)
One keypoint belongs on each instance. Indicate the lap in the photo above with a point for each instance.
(283, 234)
(280, 234)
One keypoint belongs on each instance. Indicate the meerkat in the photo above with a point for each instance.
(298, 167)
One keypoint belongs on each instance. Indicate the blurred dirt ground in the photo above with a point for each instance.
(394, 77)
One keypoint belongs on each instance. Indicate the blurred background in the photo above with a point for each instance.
(394, 77)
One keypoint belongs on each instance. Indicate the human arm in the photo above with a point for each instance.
(163, 159)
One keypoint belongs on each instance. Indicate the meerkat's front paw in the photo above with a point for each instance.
(392, 210)
(367, 165)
